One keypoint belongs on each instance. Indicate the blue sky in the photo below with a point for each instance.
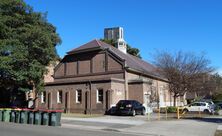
(150, 25)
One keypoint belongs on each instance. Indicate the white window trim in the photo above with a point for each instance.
(58, 98)
(42, 97)
(77, 96)
(97, 96)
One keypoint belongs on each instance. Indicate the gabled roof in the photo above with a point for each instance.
(132, 62)
(89, 45)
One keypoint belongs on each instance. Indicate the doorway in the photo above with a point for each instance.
(49, 101)
(67, 102)
(86, 102)
(107, 100)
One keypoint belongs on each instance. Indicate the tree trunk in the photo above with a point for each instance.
(174, 100)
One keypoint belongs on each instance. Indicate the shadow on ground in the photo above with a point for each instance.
(208, 119)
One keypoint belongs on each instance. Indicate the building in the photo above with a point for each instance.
(116, 34)
(95, 76)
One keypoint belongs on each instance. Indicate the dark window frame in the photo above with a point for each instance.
(100, 95)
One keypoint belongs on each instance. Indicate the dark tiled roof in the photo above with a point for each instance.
(131, 61)
(89, 45)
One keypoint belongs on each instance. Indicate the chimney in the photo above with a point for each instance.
(116, 34)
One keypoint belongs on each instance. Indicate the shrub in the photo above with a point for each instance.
(171, 109)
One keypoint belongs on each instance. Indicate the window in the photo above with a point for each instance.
(59, 97)
(78, 96)
(195, 104)
(99, 95)
(43, 97)
(202, 104)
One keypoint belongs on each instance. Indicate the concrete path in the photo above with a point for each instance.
(109, 119)
(175, 128)
(141, 126)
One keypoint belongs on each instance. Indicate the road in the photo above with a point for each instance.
(12, 129)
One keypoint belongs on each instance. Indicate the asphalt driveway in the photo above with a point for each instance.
(140, 125)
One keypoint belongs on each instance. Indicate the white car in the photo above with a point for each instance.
(198, 106)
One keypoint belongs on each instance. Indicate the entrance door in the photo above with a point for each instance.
(49, 100)
(86, 102)
(107, 100)
(67, 102)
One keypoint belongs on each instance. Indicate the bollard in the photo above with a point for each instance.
(178, 113)
(166, 112)
(148, 116)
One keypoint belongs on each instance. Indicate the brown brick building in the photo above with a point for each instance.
(96, 75)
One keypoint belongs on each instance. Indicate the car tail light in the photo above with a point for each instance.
(129, 106)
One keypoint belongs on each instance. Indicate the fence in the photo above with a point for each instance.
(167, 113)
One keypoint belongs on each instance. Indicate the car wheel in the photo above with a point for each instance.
(143, 112)
(206, 111)
(133, 113)
(185, 110)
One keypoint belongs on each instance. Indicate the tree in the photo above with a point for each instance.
(130, 50)
(184, 71)
(216, 87)
(27, 46)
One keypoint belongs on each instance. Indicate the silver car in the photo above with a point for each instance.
(198, 107)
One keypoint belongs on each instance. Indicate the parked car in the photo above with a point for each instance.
(219, 105)
(130, 107)
(198, 106)
(210, 102)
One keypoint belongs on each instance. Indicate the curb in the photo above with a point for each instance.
(82, 127)
(105, 120)
(218, 131)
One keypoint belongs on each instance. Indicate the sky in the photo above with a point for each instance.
(149, 25)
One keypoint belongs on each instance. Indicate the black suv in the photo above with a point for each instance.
(130, 107)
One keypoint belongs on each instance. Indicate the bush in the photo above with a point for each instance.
(217, 98)
(171, 109)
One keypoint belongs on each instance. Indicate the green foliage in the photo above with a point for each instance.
(27, 45)
(111, 42)
(133, 51)
(172, 109)
(217, 97)
(130, 50)
(217, 83)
